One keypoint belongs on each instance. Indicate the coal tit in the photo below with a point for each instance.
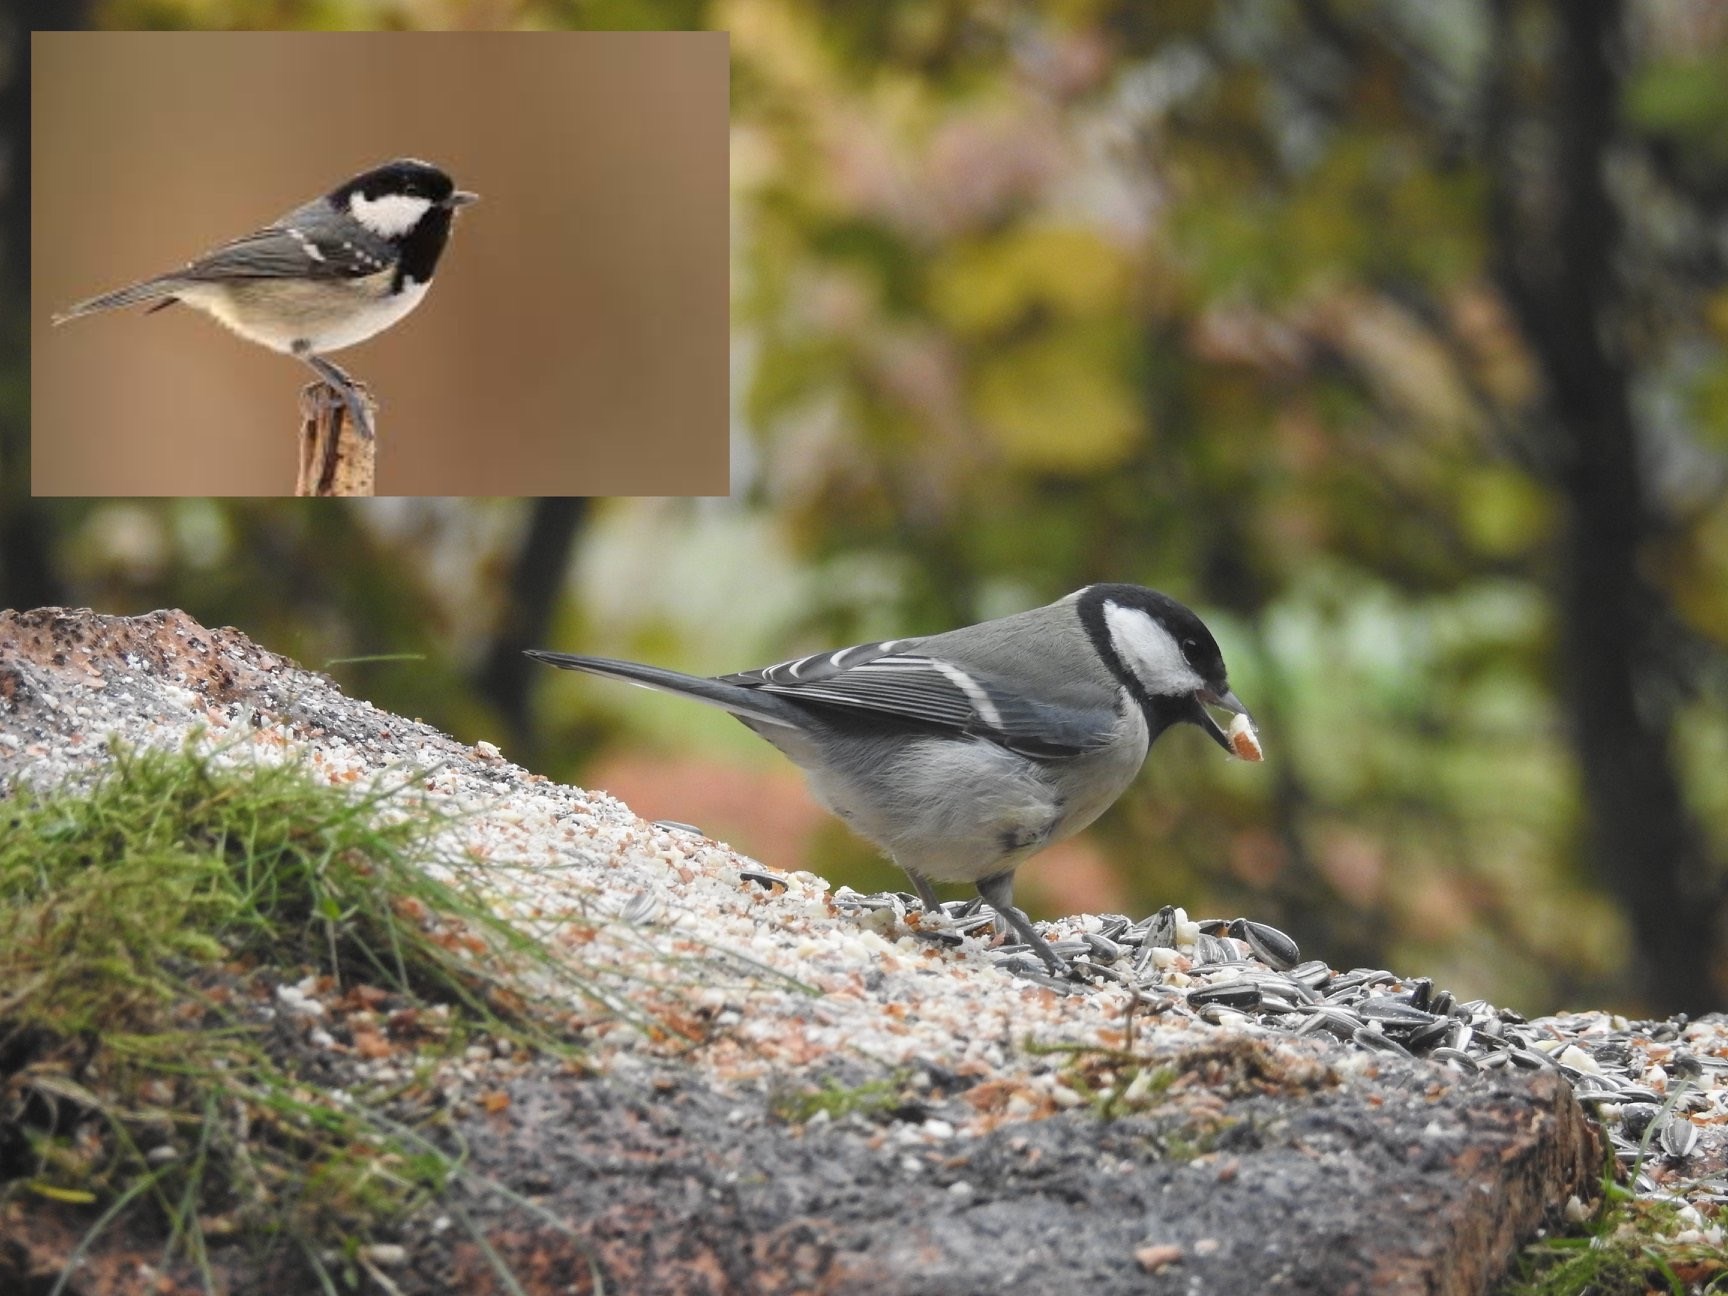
(963, 754)
(322, 277)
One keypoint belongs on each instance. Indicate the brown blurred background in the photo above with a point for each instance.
(575, 342)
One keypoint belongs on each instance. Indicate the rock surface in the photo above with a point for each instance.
(826, 1103)
(1310, 1184)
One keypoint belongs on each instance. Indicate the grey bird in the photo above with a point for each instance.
(965, 753)
(326, 275)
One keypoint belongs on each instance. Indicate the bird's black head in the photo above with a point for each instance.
(1163, 654)
(408, 203)
(404, 176)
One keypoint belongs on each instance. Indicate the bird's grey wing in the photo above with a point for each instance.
(283, 250)
(896, 679)
(288, 251)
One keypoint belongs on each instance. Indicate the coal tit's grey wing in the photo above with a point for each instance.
(297, 246)
(307, 243)
(895, 679)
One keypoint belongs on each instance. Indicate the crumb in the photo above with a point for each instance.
(1244, 739)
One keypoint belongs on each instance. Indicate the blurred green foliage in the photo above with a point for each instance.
(1201, 295)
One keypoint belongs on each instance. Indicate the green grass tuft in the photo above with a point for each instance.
(1626, 1247)
(146, 1070)
(874, 1098)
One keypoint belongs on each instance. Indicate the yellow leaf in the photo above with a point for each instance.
(1502, 511)
(989, 285)
(1059, 405)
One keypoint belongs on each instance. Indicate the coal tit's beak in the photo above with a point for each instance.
(461, 198)
(1241, 739)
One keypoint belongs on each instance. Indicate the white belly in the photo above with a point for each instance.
(297, 315)
(957, 810)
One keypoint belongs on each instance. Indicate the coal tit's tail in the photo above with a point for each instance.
(160, 290)
(745, 703)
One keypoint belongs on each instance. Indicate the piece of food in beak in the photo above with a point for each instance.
(1244, 738)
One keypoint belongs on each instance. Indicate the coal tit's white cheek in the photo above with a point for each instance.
(1150, 651)
(390, 215)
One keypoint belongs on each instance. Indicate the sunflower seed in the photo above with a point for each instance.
(642, 908)
(1393, 1013)
(1271, 946)
(1160, 929)
(1679, 1136)
(1213, 949)
(939, 936)
(1371, 1037)
(1455, 1057)
(1635, 1118)
(1424, 1038)
(1638, 1094)
(1101, 949)
(1326, 1017)
(1228, 994)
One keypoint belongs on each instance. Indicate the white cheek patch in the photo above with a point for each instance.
(391, 215)
(1148, 650)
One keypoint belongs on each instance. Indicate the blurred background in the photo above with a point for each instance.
(575, 344)
(1388, 334)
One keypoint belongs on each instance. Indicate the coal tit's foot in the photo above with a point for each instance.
(998, 893)
(352, 394)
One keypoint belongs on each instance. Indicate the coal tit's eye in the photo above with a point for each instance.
(1189, 645)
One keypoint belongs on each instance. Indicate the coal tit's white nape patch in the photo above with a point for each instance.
(1150, 651)
(390, 215)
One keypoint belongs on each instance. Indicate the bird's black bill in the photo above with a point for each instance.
(1225, 701)
(461, 198)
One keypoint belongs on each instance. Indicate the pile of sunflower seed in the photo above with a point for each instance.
(1658, 1089)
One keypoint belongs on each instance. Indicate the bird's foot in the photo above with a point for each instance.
(356, 400)
(1023, 931)
(321, 400)
(997, 891)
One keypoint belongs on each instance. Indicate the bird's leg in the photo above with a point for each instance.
(998, 893)
(339, 382)
(926, 894)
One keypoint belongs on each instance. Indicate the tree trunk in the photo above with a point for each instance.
(536, 578)
(1558, 237)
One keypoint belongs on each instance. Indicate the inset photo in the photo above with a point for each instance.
(277, 263)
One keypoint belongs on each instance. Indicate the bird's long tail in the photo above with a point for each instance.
(160, 290)
(742, 702)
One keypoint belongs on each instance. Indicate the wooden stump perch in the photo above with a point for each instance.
(334, 458)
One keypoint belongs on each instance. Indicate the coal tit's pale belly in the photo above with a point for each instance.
(304, 315)
(957, 810)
